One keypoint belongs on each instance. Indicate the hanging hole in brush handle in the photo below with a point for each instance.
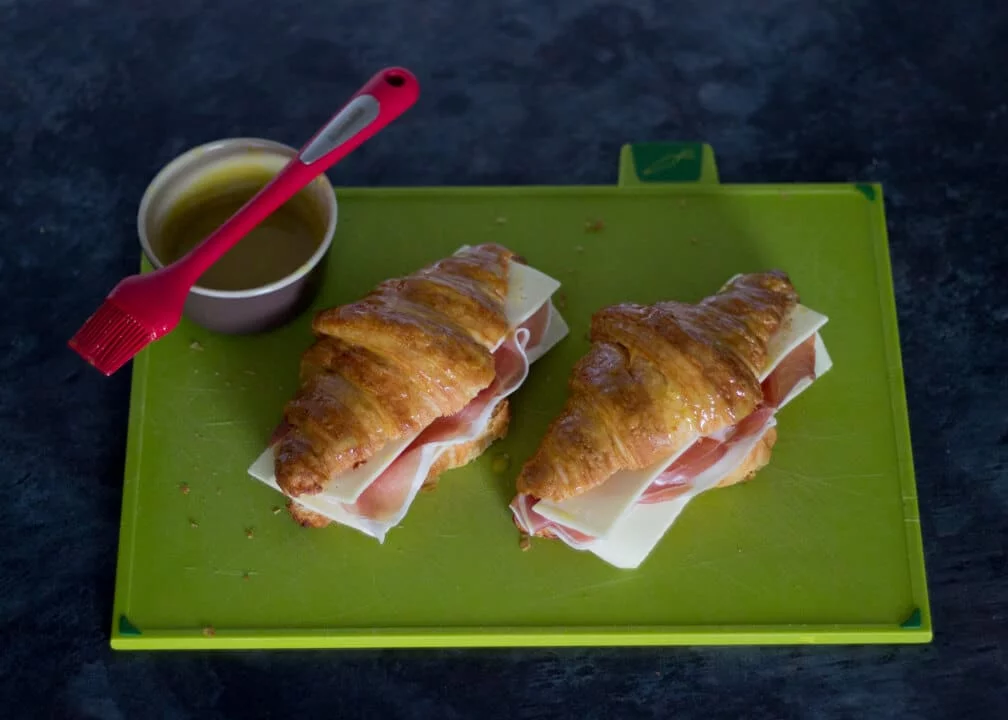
(386, 96)
(395, 78)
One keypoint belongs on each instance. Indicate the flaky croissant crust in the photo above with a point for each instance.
(388, 365)
(655, 376)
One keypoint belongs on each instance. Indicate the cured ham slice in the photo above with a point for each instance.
(531, 522)
(797, 367)
(704, 454)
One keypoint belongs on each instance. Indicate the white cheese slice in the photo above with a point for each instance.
(556, 330)
(528, 290)
(597, 511)
(639, 530)
(796, 329)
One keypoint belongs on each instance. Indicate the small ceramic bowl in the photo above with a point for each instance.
(236, 311)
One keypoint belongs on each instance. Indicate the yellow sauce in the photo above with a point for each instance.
(278, 246)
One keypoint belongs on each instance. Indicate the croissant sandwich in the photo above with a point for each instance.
(671, 400)
(406, 383)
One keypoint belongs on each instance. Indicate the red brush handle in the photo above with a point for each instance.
(383, 98)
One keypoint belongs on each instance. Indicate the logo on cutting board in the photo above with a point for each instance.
(668, 162)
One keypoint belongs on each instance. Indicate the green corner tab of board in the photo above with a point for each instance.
(126, 627)
(913, 622)
(667, 162)
(866, 189)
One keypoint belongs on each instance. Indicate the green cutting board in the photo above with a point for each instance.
(823, 546)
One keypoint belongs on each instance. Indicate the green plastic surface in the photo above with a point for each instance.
(822, 547)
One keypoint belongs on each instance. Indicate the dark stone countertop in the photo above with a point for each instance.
(96, 96)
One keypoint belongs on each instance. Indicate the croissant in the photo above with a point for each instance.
(414, 349)
(671, 400)
(656, 376)
(406, 383)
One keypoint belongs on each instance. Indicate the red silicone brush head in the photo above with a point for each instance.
(110, 338)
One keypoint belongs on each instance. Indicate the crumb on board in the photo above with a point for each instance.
(501, 463)
(594, 226)
(209, 631)
(193, 524)
(246, 576)
(501, 220)
(249, 533)
(579, 248)
(560, 300)
(524, 542)
(195, 345)
(277, 509)
(184, 488)
(249, 372)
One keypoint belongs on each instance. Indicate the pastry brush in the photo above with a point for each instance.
(144, 308)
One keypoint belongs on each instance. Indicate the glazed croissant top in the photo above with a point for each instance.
(654, 377)
(412, 350)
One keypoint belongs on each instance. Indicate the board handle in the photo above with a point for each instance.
(665, 163)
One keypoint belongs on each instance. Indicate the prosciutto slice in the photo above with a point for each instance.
(798, 366)
(703, 455)
(531, 522)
